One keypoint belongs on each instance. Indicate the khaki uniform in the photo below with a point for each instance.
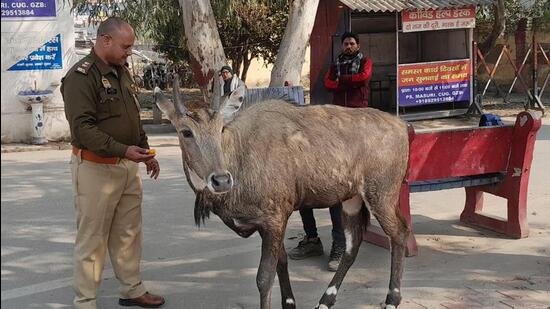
(103, 114)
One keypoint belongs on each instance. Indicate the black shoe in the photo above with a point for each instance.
(307, 247)
(336, 254)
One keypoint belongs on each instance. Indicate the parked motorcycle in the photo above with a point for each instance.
(155, 74)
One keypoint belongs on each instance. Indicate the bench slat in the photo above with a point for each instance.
(456, 182)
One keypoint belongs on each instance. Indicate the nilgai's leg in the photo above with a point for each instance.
(272, 238)
(354, 220)
(384, 207)
(287, 298)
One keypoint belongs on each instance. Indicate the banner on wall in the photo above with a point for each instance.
(28, 9)
(434, 82)
(47, 57)
(427, 20)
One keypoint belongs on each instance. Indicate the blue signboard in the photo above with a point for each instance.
(47, 57)
(434, 82)
(433, 94)
(22, 9)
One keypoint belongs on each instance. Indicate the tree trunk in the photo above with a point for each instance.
(237, 64)
(499, 25)
(520, 37)
(246, 65)
(205, 48)
(290, 58)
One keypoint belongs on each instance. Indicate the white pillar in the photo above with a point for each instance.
(37, 136)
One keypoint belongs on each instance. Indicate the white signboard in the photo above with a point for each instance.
(428, 20)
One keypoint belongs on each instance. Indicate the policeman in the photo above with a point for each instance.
(108, 143)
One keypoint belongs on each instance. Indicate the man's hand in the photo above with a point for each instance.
(138, 154)
(153, 168)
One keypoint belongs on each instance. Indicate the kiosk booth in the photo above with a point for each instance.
(422, 68)
(421, 52)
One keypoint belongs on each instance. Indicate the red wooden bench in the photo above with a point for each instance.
(495, 160)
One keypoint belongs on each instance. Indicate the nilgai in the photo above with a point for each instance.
(254, 167)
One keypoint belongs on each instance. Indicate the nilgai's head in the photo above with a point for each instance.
(200, 130)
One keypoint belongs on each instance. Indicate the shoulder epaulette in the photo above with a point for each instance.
(84, 67)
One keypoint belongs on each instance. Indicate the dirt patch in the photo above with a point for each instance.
(514, 105)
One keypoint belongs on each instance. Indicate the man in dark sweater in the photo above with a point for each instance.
(348, 78)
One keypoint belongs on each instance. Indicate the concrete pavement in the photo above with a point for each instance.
(211, 267)
(161, 139)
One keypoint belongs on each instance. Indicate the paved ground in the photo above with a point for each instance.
(458, 267)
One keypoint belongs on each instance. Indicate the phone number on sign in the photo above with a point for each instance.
(435, 100)
(28, 12)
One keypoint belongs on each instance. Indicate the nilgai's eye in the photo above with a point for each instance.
(187, 133)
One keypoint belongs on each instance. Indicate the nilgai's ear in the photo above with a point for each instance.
(233, 104)
(165, 105)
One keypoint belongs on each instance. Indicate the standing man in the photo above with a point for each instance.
(229, 81)
(348, 80)
(108, 143)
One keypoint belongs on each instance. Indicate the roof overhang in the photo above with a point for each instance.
(398, 6)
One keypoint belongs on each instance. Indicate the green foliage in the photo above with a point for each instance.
(543, 22)
(159, 21)
(516, 10)
(248, 29)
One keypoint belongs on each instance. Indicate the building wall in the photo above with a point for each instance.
(19, 39)
(331, 21)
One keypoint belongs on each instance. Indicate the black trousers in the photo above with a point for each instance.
(310, 226)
